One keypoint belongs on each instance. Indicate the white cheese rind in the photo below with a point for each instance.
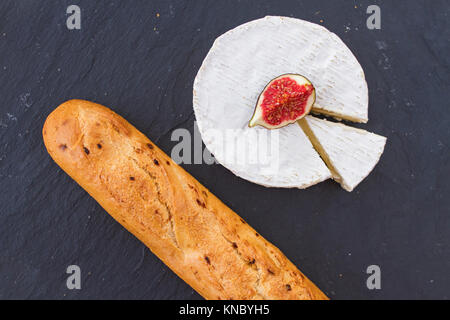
(353, 153)
(234, 73)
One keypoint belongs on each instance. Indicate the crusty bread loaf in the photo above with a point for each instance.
(194, 233)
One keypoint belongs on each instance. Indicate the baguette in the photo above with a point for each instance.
(203, 241)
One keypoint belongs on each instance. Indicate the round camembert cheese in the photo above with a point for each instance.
(236, 70)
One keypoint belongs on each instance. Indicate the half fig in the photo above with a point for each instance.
(284, 100)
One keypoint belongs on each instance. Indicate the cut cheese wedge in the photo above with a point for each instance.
(350, 153)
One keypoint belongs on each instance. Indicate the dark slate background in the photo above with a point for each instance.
(143, 67)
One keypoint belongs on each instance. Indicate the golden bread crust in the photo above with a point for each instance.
(203, 241)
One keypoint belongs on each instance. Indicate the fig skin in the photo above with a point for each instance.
(258, 112)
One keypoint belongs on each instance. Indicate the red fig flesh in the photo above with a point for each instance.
(283, 101)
